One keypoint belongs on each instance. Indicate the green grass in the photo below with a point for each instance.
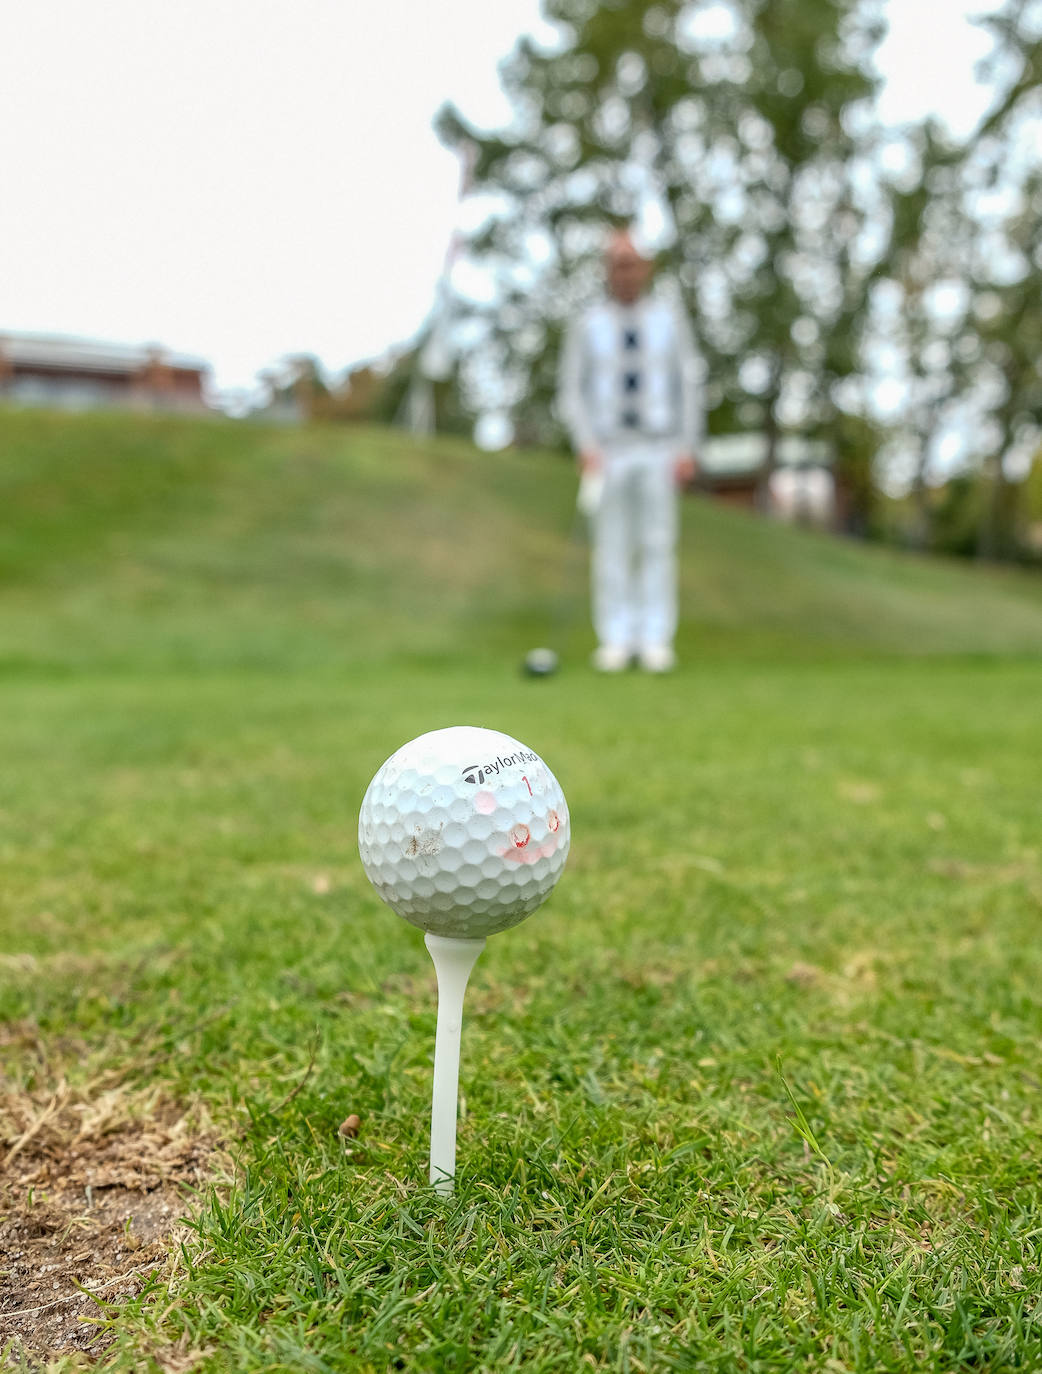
(759, 1089)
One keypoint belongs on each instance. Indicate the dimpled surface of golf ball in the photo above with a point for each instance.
(464, 832)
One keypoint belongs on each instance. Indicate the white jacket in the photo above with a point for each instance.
(631, 372)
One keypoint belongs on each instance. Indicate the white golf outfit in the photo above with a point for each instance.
(629, 391)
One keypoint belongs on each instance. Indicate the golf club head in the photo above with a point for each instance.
(540, 663)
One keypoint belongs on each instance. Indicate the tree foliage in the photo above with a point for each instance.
(749, 125)
(1003, 181)
(825, 261)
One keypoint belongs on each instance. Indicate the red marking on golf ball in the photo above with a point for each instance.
(485, 802)
(520, 836)
(532, 854)
(553, 821)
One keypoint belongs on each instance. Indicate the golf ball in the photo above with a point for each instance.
(464, 832)
(540, 662)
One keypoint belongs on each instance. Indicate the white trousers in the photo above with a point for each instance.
(634, 564)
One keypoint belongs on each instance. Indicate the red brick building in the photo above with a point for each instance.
(65, 373)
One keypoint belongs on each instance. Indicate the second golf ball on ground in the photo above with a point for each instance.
(464, 832)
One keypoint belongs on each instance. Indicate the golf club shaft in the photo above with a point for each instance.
(453, 961)
(566, 597)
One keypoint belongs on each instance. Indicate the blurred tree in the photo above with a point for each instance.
(1031, 510)
(296, 387)
(357, 395)
(1003, 181)
(747, 128)
(857, 443)
(955, 515)
(447, 404)
(379, 393)
(920, 304)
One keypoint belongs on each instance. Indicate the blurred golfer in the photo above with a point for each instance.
(629, 395)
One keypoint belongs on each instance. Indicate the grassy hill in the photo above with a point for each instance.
(193, 543)
(758, 1089)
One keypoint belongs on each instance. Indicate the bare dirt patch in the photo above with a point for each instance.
(93, 1187)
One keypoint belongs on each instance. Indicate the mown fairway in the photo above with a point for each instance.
(759, 1089)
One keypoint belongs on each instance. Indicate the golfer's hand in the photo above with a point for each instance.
(685, 469)
(590, 461)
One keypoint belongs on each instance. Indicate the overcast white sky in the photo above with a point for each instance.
(249, 178)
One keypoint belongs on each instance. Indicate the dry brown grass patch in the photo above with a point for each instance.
(93, 1186)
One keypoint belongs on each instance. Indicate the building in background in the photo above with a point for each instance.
(65, 373)
(801, 489)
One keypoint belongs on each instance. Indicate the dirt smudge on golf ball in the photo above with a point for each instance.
(424, 843)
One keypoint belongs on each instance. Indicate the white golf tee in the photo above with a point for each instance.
(453, 961)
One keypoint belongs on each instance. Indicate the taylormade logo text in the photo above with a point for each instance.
(478, 772)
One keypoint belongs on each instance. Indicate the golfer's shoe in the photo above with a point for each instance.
(611, 658)
(657, 658)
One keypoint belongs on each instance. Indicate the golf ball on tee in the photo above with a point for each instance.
(464, 832)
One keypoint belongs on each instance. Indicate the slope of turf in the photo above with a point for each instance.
(757, 1090)
(184, 544)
